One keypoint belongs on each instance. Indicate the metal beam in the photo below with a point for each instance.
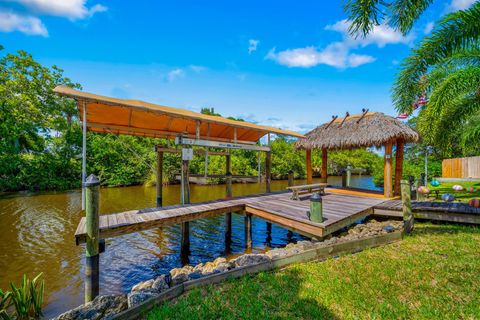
(218, 144)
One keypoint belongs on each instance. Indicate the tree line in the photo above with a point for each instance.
(40, 142)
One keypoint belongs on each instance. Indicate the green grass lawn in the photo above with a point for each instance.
(432, 274)
(464, 196)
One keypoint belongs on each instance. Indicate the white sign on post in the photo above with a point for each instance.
(187, 154)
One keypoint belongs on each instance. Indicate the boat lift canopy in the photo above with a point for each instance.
(139, 118)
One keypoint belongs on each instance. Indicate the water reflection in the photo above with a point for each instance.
(37, 235)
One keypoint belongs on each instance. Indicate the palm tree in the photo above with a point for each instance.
(445, 66)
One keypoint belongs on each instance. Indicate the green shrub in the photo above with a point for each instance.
(26, 299)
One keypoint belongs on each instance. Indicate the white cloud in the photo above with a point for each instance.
(428, 28)
(338, 54)
(10, 21)
(30, 23)
(335, 55)
(197, 69)
(355, 60)
(380, 36)
(459, 5)
(174, 74)
(252, 45)
(71, 9)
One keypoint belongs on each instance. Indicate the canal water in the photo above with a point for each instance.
(37, 235)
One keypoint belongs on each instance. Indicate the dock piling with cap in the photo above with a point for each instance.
(92, 253)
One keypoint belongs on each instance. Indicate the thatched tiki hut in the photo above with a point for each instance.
(360, 131)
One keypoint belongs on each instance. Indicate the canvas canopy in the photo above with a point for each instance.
(139, 118)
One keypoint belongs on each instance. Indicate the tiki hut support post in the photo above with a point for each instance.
(361, 131)
(324, 165)
(159, 183)
(387, 172)
(398, 166)
(308, 154)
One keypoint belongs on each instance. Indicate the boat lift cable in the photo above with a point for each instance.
(133, 151)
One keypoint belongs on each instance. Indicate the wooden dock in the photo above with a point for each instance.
(441, 211)
(339, 210)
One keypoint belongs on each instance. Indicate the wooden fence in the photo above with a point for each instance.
(461, 168)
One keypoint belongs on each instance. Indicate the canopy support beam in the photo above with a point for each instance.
(84, 151)
(268, 167)
(159, 183)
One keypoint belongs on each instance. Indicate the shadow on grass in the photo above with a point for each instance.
(267, 295)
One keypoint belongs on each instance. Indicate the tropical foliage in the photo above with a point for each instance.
(444, 66)
(40, 141)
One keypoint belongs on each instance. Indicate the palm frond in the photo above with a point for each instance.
(457, 30)
(404, 13)
(364, 15)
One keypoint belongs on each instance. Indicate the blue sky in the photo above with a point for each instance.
(289, 64)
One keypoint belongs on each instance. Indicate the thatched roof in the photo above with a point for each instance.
(357, 131)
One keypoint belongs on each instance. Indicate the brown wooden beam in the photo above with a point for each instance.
(399, 153)
(324, 165)
(308, 154)
(159, 182)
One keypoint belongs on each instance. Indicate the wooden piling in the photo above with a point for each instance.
(408, 220)
(308, 162)
(324, 166)
(248, 230)
(228, 185)
(228, 215)
(228, 163)
(159, 184)
(185, 246)
(92, 268)
(349, 176)
(290, 178)
(344, 179)
(268, 171)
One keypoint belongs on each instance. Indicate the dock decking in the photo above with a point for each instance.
(339, 210)
(442, 211)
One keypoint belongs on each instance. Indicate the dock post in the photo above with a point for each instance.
(185, 248)
(289, 236)
(159, 182)
(316, 208)
(228, 185)
(408, 219)
(290, 178)
(268, 171)
(248, 230)
(344, 179)
(349, 176)
(228, 215)
(324, 166)
(92, 256)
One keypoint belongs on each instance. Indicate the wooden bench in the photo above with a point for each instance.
(306, 188)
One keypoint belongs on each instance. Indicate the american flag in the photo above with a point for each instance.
(403, 116)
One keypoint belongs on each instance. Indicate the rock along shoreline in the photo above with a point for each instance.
(107, 306)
